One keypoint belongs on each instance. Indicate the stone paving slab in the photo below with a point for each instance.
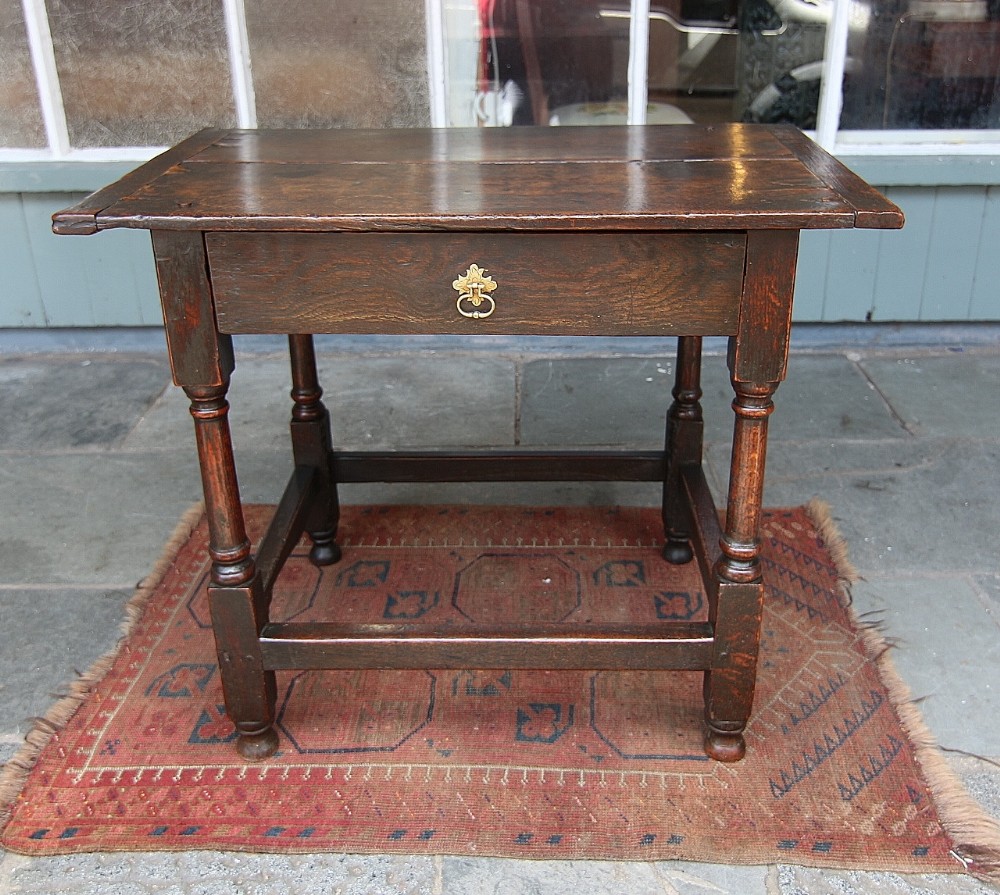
(213, 873)
(375, 402)
(218, 873)
(90, 519)
(912, 505)
(808, 881)
(51, 636)
(950, 395)
(622, 399)
(75, 403)
(948, 653)
(824, 397)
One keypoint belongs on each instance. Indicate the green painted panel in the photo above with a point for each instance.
(985, 303)
(20, 298)
(102, 280)
(899, 281)
(61, 262)
(850, 289)
(810, 279)
(61, 177)
(951, 262)
(926, 170)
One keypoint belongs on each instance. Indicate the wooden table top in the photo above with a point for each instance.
(687, 177)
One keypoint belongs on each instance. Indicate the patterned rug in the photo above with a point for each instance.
(840, 771)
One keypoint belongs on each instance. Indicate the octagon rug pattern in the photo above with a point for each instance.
(840, 771)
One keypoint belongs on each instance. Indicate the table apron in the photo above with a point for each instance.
(628, 284)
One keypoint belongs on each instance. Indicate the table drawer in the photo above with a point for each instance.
(538, 284)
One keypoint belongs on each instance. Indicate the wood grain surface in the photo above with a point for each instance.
(675, 176)
(548, 283)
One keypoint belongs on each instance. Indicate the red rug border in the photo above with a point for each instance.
(975, 833)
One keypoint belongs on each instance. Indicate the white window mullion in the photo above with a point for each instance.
(43, 60)
(831, 91)
(638, 61)
(437, 65)
(239, 63)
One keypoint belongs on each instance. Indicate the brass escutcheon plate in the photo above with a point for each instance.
(474, 289)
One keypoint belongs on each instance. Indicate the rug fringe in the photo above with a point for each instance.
(975, 832)
(14, 773)
(821, 516)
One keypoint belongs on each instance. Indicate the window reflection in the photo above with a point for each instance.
(566, 61)
(19, 110)
(927, 64)
(910, 63)
(141, 73)
(354, 63)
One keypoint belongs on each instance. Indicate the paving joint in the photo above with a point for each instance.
(875, 387)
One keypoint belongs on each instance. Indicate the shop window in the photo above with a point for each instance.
(345, 64)
(87, 80)
(566, 61)
(19, 108)
(140, 73)
(926, 64)
(907, 64)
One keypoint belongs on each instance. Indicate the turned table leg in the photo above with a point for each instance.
(237, 603)
(685, 434)
(201, 359)
(311, 446)
(735, 614)
(758, 358)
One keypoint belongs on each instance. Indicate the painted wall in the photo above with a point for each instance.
(50, 281)
(944, 265)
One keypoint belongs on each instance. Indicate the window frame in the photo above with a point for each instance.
(977, 148)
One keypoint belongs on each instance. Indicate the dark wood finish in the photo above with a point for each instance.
(237, 602)
(706, 533)
(492, 465)
(685, 434)
(312, 447)
(547, 283)
(533, 69)
(81, 220)
(287, 525)
(733, 177)
(680, 230)
(345, 149)
(871, 210)
(759, 352)
(199, 355)
(685, 646)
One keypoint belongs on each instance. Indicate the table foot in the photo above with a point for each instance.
(727, 746)
(677, 552)
(325, 550)
(685, 434)
(258, 746)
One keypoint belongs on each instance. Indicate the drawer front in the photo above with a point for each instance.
(527, 284)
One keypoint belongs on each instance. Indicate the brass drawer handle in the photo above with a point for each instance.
(474, 289)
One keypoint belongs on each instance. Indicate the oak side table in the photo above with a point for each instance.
(683, 231)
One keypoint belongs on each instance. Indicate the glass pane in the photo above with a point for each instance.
(353, 63)
(780, 60)
(738, 60)
(536, 61)
(566, 61)
(142, 73)
(925, 64)
(20, 115)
